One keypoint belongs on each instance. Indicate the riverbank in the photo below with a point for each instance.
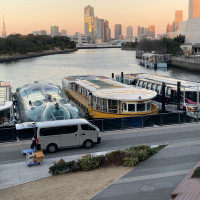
(9, 58)
(191, 64)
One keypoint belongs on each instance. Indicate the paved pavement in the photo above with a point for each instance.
(157, 177)
(19, 173)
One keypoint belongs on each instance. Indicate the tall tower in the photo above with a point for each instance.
(89, 22)
(178, 18)
(129, 32)
(54, 31)
(194, 9)
(3, 33)
(152, 31)
(118, 31)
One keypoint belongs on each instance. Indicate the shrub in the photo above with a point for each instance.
(101, 160)
(196, 173)
(141, 155)
(130, 161)
(62, 167)
(116, 157)
(88, 162)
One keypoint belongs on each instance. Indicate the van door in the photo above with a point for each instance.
(48, 136)
(88, 132)
(70, 136)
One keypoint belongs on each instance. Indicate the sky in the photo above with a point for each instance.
(25, 16)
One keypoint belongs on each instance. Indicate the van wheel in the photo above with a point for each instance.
(88, 144)
(52, 148)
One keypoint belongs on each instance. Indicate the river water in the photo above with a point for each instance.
(50, 69)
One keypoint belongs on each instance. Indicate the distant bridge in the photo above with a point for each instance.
(97, 46)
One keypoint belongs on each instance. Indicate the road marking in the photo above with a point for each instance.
(152, 176)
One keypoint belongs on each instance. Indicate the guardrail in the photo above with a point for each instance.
(9, 134)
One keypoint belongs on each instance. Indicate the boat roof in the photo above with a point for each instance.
(188, 85)
(106, 88)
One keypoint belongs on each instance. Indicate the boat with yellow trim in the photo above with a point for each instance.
(102, 97)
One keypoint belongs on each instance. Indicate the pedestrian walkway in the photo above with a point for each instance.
(19, 173)
(157, 177)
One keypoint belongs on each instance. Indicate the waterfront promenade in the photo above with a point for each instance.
(154, 179)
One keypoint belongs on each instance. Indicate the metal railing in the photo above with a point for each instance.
(9, 134)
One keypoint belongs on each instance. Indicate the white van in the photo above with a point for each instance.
(53, 135)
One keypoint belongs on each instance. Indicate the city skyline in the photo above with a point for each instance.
(24, 17)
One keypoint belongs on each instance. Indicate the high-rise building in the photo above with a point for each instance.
(173, 26)
(178, 18)
(129, 32)
(99, 25)
(89, 22)
(140, 30)
(169, 28)
(63, 32)
(194, 9)
(146, 31)
(152, 31)
(54, 31)
(118, 31)
(107, 32)
(42, 32)
(4, 29)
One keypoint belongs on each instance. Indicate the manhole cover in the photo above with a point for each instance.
(147, 188)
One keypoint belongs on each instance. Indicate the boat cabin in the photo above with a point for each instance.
(6, 104)
(102, 97)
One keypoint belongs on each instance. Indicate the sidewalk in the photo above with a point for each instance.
(157, 177)
(19, 173)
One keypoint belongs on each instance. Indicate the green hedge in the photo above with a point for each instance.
(129, 158)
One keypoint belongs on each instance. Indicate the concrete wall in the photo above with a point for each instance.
(185, 63)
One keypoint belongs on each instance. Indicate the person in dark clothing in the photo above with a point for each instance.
(34, 139)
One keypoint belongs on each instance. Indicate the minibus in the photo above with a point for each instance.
(54, 135)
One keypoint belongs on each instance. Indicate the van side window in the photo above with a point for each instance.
(87, 127)
(69, 129)
(49, 131)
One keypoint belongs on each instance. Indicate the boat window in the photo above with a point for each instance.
(148, 86)
(112, 106)
(140, 83)
(131, 107)
(153, 86)
(140, 107)
(158, 89)
(168, 93)
(144, 84)
(191, 96)
(149, 106)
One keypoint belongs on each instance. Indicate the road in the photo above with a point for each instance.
(11, 152)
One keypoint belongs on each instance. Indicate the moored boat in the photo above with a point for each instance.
(151, 60)
(189, 91)
(44, 102)
(6, 104)
(102, 97)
